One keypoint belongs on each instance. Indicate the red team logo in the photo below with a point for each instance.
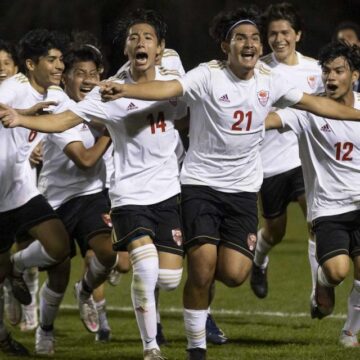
(311, 81)
(177, 236)
(263, 97)
(107, 219)
(32, 135)
(251, 241)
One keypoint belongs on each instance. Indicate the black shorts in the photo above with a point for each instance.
(160, 221)
(214, 217)
(279, 190)
(85, 217)
(336, 235)
(16, 223)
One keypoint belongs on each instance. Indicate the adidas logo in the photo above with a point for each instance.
(131, 106)
(325, 128)
(224, 98)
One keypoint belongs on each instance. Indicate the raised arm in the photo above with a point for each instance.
(328, 108)
(151, 90)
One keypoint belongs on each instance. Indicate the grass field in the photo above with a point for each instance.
(278, 327)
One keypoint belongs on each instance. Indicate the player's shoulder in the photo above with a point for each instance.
(170, 53)
(170, 73)
(267, 59)
(308, 61)
(263, 69)
(17, 80)
(57, 92)
(215, 64)
(120, 76)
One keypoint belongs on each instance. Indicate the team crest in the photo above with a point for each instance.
(107, 219)
(251, 241)
(177, 236)
(173, 101)
(311, 81)
(263, 97)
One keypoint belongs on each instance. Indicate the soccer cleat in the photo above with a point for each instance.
(258, 281)
(348, 340)
(153, 354)
(12, 307)
(322, 301)
(9, 346)
(20, 289)
(196, 354)
(114, 277)
(88, 312)
(103, 335)
(214, 334)
(44, 342)
(30, 318)
(160, 337)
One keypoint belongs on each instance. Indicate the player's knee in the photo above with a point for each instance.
(169, 279)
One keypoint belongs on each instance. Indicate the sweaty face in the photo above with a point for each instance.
(244, 48)
(282, 40)
(349, 36)
(75, 79)
(47, 71)
(338, 78)
(142, 46)
(7, 66)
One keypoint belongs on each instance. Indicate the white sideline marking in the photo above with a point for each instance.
(173, 310)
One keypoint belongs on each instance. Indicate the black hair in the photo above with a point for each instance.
(333, 50)
(37, 43)
(10, 49)
(225, 20)
(347, 25)
(283, 11)
(139, 16)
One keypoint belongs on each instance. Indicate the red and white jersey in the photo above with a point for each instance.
(227, 124)
(60, 179)
(280, 151)
(17, 144)
(330, 156)
(144, 139)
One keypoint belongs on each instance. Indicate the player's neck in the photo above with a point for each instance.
(241, 72)
(348, 99)
(143, 76)
(290, 60)
(39, 88)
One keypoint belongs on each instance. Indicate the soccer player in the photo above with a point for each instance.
(24, 213)
(145, 186)
(283, 179)
(330, 155)
(222, 172)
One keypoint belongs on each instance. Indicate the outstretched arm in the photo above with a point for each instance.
(151, 90)
(328, 108)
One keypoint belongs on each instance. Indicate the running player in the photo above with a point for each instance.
(283, 180)
(330, 155)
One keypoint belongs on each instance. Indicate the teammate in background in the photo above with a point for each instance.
(222, 172)
(8, 68)
(24, 213)
(283, 179)
(144, 190)
(330, 155)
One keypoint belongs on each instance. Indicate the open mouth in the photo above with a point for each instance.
(248, 55)
(3, 76)
(141, 57)
(85, 89)
(331, 87)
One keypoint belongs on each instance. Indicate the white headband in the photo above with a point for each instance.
(238, 23)
(94, 48)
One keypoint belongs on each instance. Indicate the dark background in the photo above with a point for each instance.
(188, 21)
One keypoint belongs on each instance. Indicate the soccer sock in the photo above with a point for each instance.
(352, 323)
(169, 279)
(157, 293)
(34, 255)
(262, 249)
(313, 262)
(195, 328)
(322, 279)
(31, 278)
(49, 305)
(145, 264)
(101, 309)
(95, 275)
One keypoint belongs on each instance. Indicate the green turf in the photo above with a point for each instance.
(254, 330)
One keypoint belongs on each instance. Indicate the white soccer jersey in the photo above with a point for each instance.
(60, 179)
(280, 152)
(144, 138)
(330, 155)
(16, 144)
(227, 124)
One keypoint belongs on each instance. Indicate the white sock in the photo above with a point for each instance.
(49, 306)
(209, 310)
(101, 309)
(322, 279)
(195, 328)
(157, 294)
(313, 262)
(145, 264)
(262, 249)
(33, 256)
(169, 279)
(96, 273)
(352, 323)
